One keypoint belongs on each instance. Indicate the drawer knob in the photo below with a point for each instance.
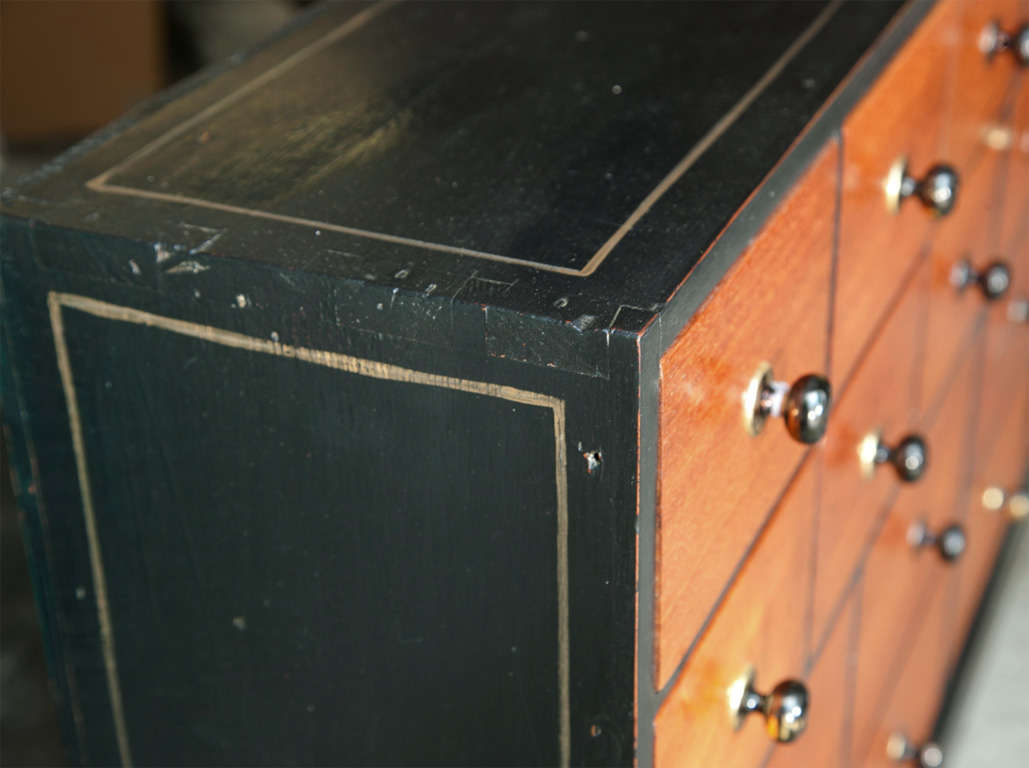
(909, 457)
(949, 542)
(784, 707)
(900, 749)
(937, 190)
(994, 40)
(1018, 311)
(804, 405)
(1015, 503)
(993, 280)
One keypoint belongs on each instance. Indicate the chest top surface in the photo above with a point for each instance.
(580, 158)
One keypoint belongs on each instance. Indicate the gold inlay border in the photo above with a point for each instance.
(347, 363)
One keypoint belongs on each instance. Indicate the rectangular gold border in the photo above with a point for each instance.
(101, 183)
(340, 362)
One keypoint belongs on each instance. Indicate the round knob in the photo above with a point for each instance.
(937, 190)
(993, 280)
(949, 542)
(1015, 503)
(804, 405)
(994, 40)
(784, 708)
(1018, 311)
(909, 457)
(900, 749)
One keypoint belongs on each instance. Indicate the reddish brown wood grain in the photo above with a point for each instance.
(761, 623)
(903, 114)
(883, 395)
(981, 84)
(917, 692)
(825, 741)
(898, 579)
(717, 483)
(972, 233)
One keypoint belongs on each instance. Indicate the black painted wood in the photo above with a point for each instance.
(297, 495)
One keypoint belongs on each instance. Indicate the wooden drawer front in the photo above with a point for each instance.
(1015, 228)
(825, 741)
(1002, 463)
(972, 233)
(917, 692)
(903, 114)
(717, 484)
(983, 85)
(761, 623)
(1005, 368)
(883, 395)
(898, 578)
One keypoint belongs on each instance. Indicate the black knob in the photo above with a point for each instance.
(994, 40)
(909, 457)
(785, 707)
(901, 750)
(804, 405)
(993, 280)
(950, 542)
(938, 189)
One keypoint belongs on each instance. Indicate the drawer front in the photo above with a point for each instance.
(902, 115)
(983, 84)
(761, 624)
(825, 741)
(900, 578)
(1001, 464)
(717, 483)
(882, 395)
(970, 235)
(911, 708)
(1015, 227)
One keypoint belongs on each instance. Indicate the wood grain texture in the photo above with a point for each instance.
(761, 623)
(972, 233)
(882, 395)
(916, 696)
(827, 739)
(1002, 460)
(899, 579)
(981, 84)
(903, 114)
(704, 527)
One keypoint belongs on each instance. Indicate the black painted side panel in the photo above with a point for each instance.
(309, 565)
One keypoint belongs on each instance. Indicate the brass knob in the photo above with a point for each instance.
(993, 280)
(900, 749)
(994, 40)
(804, 405)
(949, 542)
(937, 190)
(909, 457)
(1018, 311)
(1015, 503)
(784, 707)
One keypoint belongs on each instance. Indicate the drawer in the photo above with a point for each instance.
(1005, 368)
(717, 483)
(882, 395)
(1015, 227)
(825, 741)
(761, 624)
(904, 114)
(983, 84)
(971, 234)
(899, 577)
(910, 710)
(1002, 464)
